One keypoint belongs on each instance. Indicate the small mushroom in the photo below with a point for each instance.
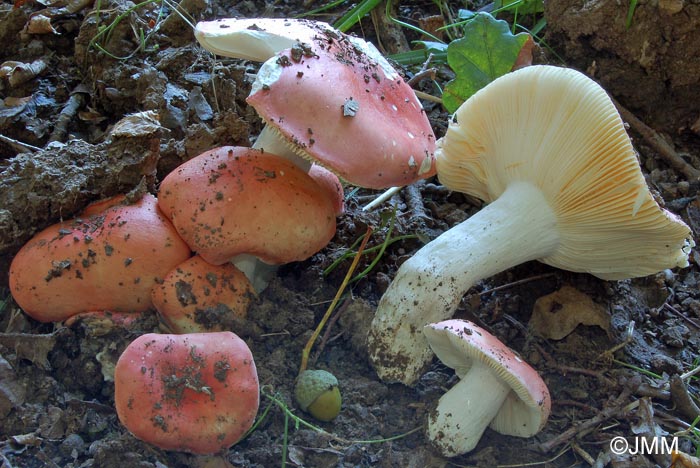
(194, 393)
(546, 148)
(496, 389)
(108, 258)
(235, 203)
(316, 391)
(200, 297)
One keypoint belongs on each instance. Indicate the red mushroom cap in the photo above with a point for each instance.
(195, 393)
(109, 258)
(341, 104)
(200, 297)
(232, 200)
(331, 184)
(459, 343)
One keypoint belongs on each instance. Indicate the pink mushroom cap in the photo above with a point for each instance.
(339, 103)
(194, 393)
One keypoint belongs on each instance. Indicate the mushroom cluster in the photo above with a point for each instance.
(109, 258)
(546, 148)
(329, 98)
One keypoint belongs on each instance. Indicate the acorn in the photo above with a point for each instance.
(317, 393)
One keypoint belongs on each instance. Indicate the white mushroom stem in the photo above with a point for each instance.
(270, 141)
(517, 227)
(464, 412)
(258, 272)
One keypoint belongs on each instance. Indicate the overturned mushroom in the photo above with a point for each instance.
(547, 148)
(108, 258)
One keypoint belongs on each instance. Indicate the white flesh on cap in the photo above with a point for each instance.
(255, 39)
(546, 146)
(465, 411)
(517, 227)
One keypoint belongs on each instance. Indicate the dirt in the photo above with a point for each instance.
(56, 388)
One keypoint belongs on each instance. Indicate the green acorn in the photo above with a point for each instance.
(317, 393)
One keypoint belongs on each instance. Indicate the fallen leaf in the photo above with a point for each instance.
(39, 24)
(683, 460)
(556, 315)
(34, 348)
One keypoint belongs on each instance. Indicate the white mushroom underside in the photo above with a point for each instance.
(464, 412)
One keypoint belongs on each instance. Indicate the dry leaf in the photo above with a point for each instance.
(138, 124)
(683, 460)
(556, 315)
(39, 24)
(17, 73)
(32, 347)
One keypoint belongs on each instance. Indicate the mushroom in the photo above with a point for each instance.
(200, 297)
(546, 148)
(329, 98)
(194, 393)
(338, 102)
(108, 258)
(496, 389)
(234, 203)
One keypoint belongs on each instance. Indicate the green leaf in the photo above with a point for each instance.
(487, 51)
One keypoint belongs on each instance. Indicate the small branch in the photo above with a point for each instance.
(679, 394)
(657, 142)
(74, 103)
(19, 146)
(615, 409)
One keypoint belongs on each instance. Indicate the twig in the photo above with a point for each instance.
(414, 202)
(307, 349)
(615, 409)
(679, 314)
(679, 394)
(18, 145)
(657, 142)
(517, 283)
(74, 103)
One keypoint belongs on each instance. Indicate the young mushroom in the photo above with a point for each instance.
(200, 297)
(496, 389)
(194, 393)
(235, 203)
(107, 259)
(546, 148)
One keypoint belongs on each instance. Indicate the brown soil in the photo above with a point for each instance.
(56, 392)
